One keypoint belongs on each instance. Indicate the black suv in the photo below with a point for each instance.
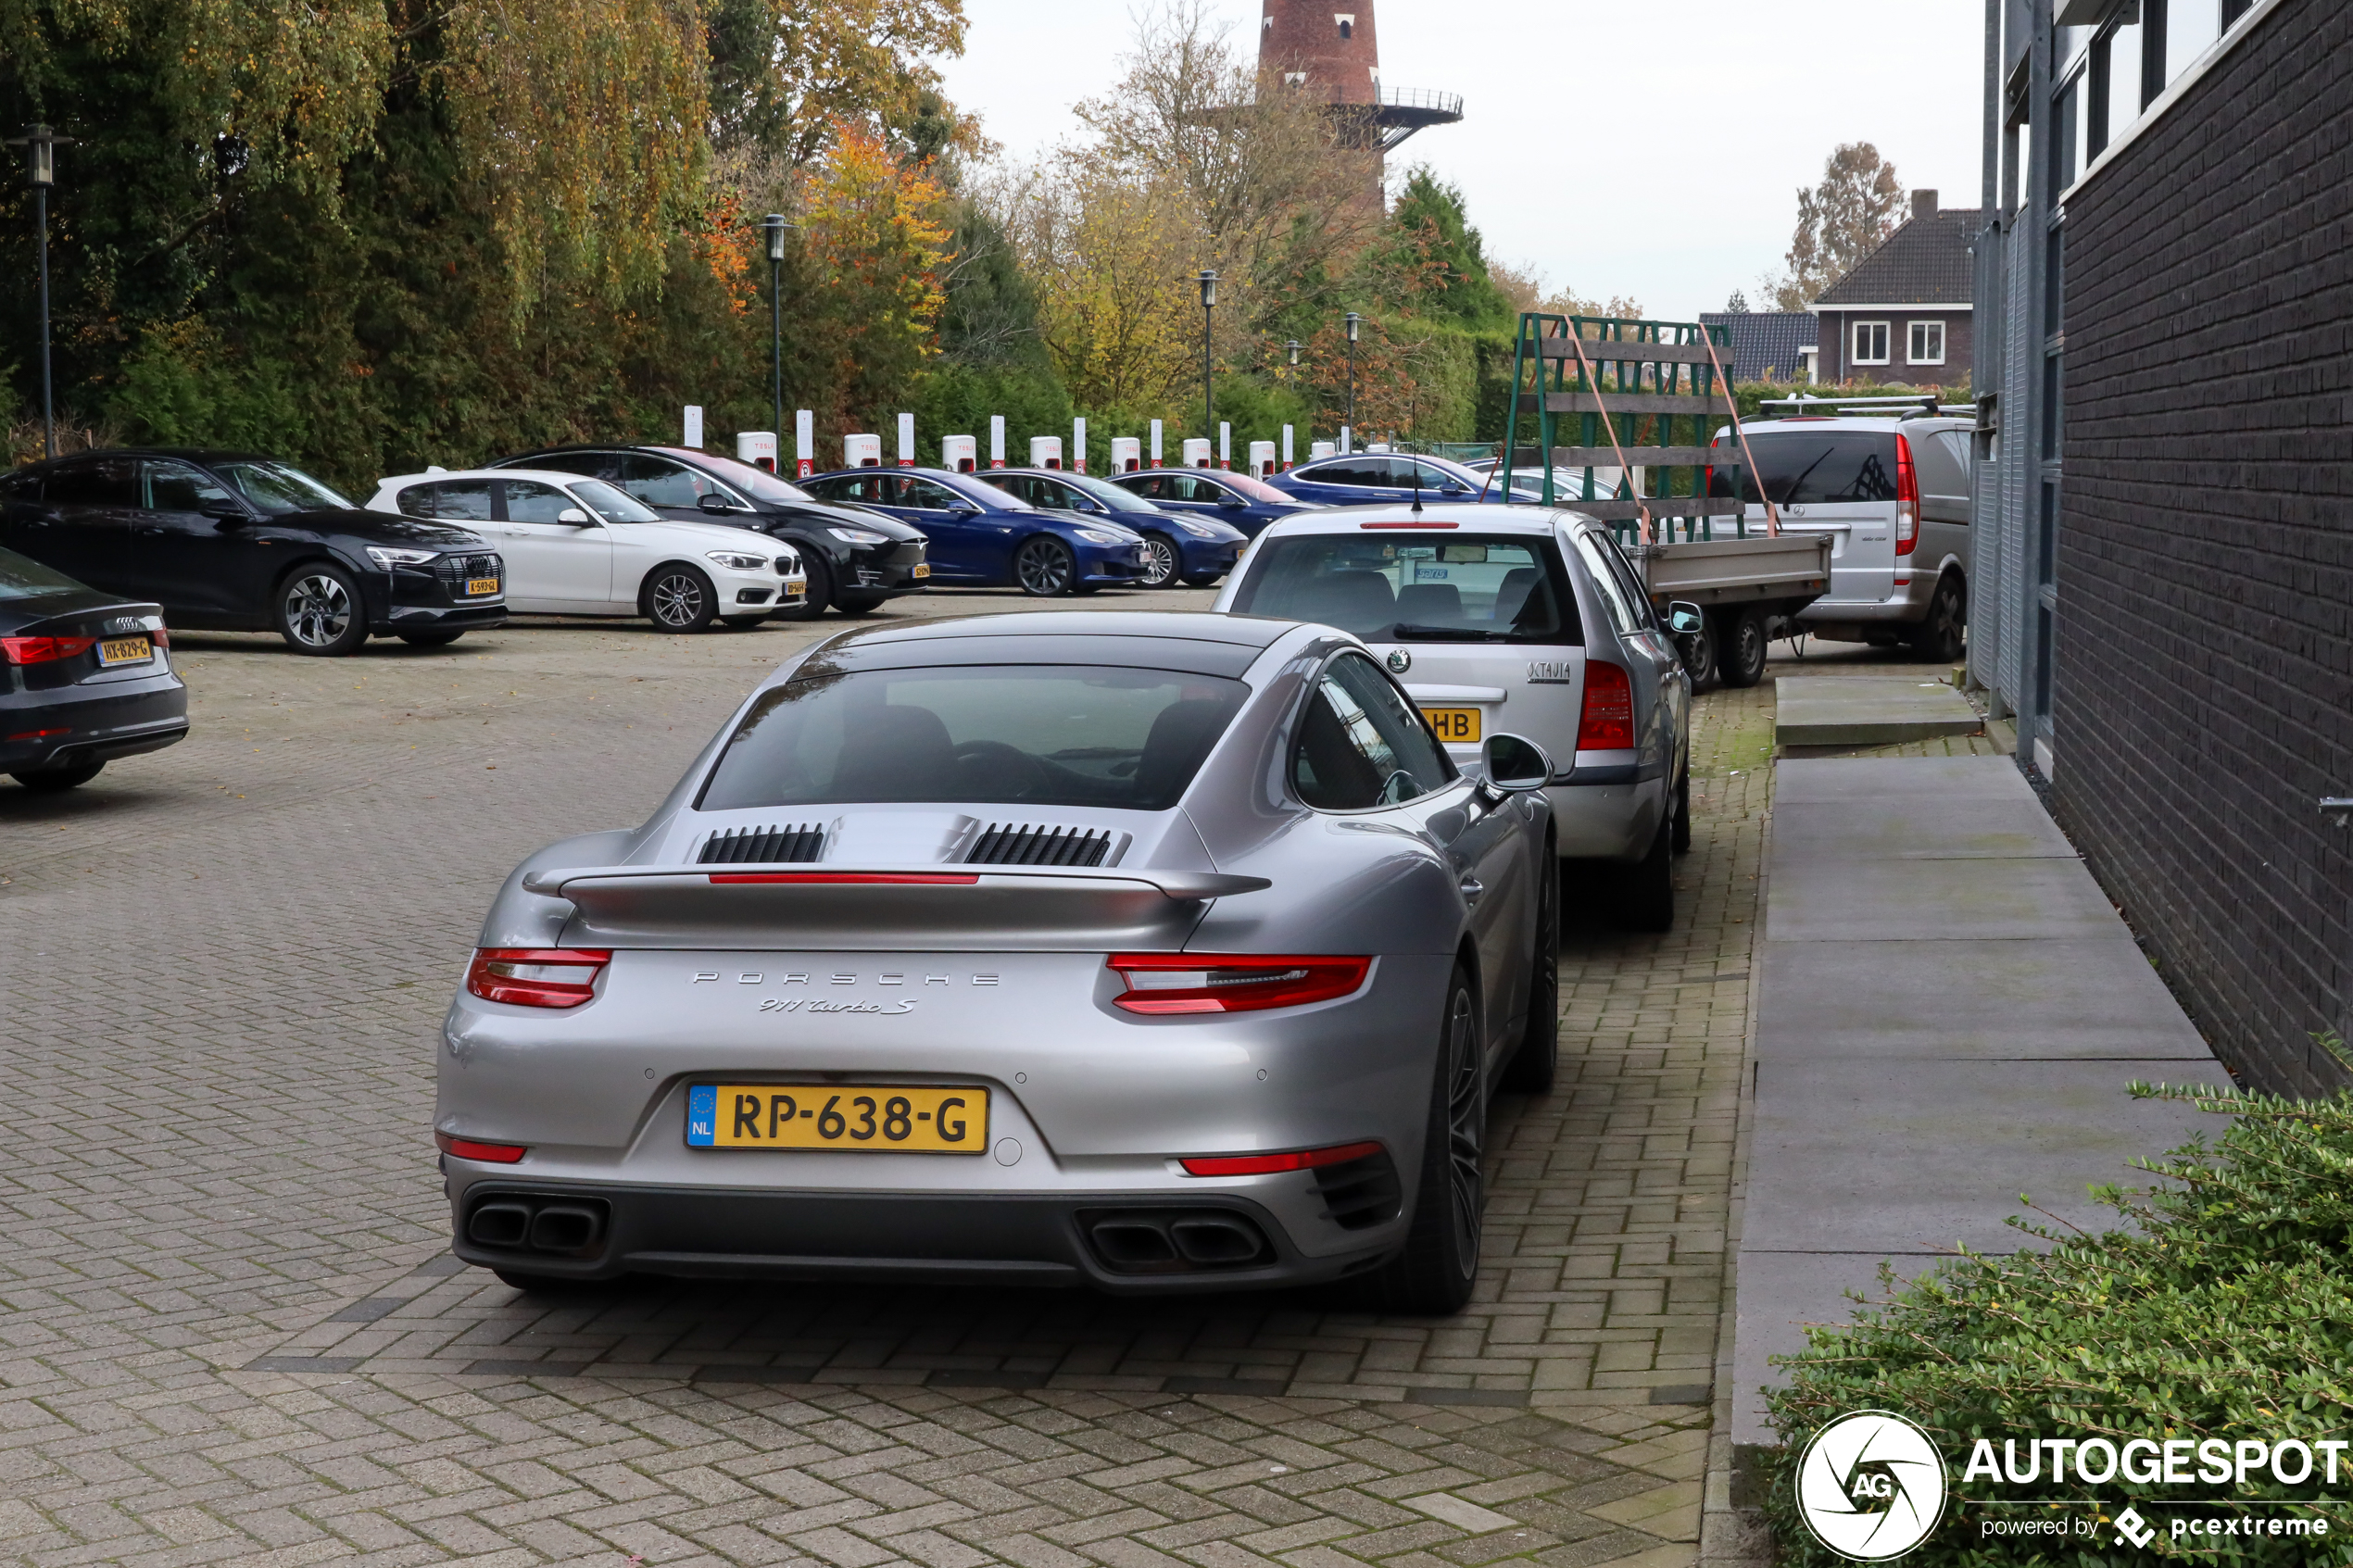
(233, 542)
(855, 558)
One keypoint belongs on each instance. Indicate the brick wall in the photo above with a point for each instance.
(2204, 675)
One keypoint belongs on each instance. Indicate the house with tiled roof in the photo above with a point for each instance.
(1767, 345)
(1903, 313)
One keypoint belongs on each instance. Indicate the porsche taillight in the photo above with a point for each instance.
(1607, 722)
(1176, 983)
(537, 977)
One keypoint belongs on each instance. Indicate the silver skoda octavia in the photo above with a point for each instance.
(1154, 952)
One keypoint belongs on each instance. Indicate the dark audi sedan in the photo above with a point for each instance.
(231, 542)
(855, 558)
(85, 677)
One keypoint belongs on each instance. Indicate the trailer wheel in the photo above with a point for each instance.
(1741, 647)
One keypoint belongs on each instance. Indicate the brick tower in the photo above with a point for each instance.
(1330, 49)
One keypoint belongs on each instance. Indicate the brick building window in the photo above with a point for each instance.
(1347, 24)
(1871, 343)
(1927, 345)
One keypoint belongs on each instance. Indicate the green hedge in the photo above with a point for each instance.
(2221, 1308)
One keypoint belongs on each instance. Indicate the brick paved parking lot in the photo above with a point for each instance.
(231, 1331)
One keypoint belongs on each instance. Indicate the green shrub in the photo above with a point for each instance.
(2224, 1308)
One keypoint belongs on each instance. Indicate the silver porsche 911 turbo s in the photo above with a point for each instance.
(1150, 952)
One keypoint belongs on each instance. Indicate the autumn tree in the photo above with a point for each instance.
(1858, 204)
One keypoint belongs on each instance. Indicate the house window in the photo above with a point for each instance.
(1927, 347)
(1871, 343)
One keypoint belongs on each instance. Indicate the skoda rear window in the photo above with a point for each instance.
(1038, 734)
(1399, 587)
(1815, 469)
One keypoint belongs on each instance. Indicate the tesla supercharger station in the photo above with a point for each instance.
(1078, 445)
(996, 440)
(1286, 449)
(1126, 454)
(1195, 451)
(1045, 451)
(1318, 449)
(1346, 433)
(804, 441)
(757, 448)
(861, 451)
(1262, 459)
(906, 441)
(956, 453)
(1155, 444)
(693, 423)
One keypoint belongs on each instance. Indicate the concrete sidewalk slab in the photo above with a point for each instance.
(1780, 1295)
(1919, 828)
(1816, 900)
(2088, 999)
(1808, 780)
(1867, 710)
(1917, 1156)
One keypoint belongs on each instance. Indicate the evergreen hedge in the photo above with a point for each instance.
(2222, 1308)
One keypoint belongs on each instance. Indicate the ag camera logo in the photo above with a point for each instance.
(1871, 1485)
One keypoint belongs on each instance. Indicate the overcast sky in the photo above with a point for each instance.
(1662, 201)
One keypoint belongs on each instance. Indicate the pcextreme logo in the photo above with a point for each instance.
(1871, 1485)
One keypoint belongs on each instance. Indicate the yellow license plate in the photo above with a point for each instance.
(868, 1118)
(125, 650)
(923, 569)
(480, 586)
(1455, 726)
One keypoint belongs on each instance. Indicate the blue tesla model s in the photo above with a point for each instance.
(982, 538)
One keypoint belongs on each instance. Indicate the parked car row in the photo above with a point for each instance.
(232, 541)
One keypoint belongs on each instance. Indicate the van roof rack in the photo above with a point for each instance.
(1929, 407)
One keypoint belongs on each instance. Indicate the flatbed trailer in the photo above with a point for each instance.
(1629, 384)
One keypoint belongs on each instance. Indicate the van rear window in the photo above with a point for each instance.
(1815, 469)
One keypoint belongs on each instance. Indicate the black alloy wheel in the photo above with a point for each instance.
(1160, 561)
(1537, 1057)
(1740, 648)
(677, 597)
(1432, 1275)
(320, 610)
(1938, 638)
(1044, 568)
(56, 781)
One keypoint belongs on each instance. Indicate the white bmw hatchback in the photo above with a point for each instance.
(575, 545)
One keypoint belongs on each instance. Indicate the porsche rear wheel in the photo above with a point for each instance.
(1433, 1273)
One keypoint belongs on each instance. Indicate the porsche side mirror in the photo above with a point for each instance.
(1515, 763)
(1684, 617)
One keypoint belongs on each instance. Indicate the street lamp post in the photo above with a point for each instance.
(774, 225)
(1208, 391)
(39, 144)
(1352, 321)
(1293, 346)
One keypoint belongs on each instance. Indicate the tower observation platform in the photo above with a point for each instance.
(1331, 49)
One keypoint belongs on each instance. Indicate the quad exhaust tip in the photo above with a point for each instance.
(1155, 1241)
(527, 1223)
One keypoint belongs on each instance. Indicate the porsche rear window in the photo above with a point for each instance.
(1036, 735)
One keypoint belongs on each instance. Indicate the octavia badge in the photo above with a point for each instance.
(1400, 661)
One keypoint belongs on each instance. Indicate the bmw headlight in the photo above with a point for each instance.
(858, 535)
(1199, 530)
(735, 562)
(1098, 536)
(387, 557)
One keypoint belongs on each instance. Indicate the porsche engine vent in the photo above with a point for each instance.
(1013, 844)
(763, 847)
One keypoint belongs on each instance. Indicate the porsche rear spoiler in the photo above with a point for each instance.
(908, 908)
